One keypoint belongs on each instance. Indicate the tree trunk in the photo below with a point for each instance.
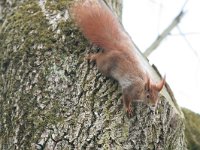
(7, 8)
(51, 98)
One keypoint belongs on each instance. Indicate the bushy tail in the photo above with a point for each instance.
(99, 24)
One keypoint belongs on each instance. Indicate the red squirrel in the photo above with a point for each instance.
(118, 59)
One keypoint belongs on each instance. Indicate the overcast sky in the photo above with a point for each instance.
(178, 56)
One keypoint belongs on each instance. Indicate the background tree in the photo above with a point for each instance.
(51, 98)
(192, 131)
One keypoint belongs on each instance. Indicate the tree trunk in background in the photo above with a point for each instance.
(192, 131)
(51, 98)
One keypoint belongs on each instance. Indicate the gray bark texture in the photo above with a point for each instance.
(7, 7)
(51, 98)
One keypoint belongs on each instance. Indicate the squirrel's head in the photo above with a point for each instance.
(152, 90)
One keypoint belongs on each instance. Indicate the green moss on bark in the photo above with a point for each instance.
(58, 6)
(52, 98)
(30, 51)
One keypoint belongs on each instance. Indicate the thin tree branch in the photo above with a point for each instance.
(185, 4)
(186, 34)
(188, 43)
(164, 34)
(159, 15)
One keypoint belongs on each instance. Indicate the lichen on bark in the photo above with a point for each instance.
(52, 98)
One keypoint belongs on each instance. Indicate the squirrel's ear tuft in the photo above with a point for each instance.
(160, 85)
(148, 83)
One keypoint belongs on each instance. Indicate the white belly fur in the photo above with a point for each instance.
(124, 80)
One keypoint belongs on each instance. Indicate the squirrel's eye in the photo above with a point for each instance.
(148, 96)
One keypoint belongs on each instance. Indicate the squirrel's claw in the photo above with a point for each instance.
(129, 112)
(90, 57)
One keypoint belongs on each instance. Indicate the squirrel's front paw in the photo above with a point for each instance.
(90, 57)
(129, 112)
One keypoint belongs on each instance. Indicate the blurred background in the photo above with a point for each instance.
(170, 30)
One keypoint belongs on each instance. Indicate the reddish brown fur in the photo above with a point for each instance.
(119, 58)
(98, 23)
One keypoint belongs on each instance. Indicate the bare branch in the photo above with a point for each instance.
(185, 4)
(164, 34)
(186, 34)
(188, 43)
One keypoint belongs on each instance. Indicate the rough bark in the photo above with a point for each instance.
(51, 98)
(7, 7)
